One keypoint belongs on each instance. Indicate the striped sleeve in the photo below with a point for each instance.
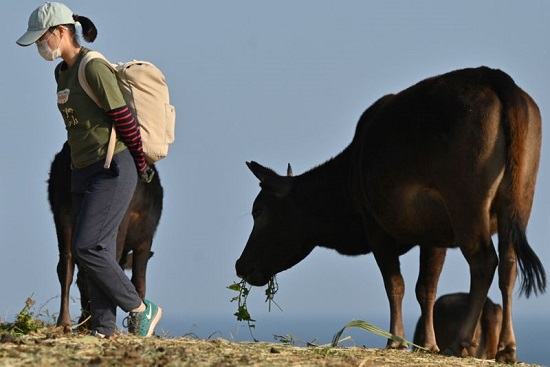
(127, 130)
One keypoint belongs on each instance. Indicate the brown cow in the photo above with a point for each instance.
(449, 314)
(445, 163)
(135, 235)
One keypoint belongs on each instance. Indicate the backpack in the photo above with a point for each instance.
(145, 91)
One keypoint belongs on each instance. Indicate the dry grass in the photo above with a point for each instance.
(50, 347)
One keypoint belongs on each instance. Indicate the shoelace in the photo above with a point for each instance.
(131, 321)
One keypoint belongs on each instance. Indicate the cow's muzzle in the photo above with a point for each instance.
(251, 274)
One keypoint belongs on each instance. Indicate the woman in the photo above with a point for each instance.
(100, 195)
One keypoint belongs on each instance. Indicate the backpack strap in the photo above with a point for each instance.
(86, 86)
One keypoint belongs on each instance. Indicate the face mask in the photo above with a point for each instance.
(45, 51)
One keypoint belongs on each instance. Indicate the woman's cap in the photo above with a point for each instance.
(45, 16)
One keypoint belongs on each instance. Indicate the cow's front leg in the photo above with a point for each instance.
(65, 270)
(431, 263)
(388, 262)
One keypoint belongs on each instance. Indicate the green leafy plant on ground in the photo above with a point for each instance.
(26, 321)
(244, 288)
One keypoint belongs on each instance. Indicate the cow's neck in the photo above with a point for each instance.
(333, 220)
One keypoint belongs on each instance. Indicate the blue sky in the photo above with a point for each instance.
(274, 82)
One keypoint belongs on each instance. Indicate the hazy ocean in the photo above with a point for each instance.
(532, 334)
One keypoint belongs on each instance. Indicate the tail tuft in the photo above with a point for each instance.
(532, 271)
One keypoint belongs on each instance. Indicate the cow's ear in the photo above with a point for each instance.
(269, 179)
(261, 172)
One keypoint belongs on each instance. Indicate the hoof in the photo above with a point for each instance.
(452, 353)
(507, 355)
(392, 344)
(449, 353)
(433, 349)
(427, 349)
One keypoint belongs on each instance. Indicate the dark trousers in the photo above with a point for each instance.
(100, 200)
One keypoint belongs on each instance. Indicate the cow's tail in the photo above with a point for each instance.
(517, 121)
(531, 268)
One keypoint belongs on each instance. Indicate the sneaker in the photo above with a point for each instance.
(143, 323)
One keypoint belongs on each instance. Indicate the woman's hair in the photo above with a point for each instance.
(89, 31)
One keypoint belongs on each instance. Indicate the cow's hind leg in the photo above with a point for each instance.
(141, 255)
(481, 256)
(507, 272)
(84, 322)
(431, 263)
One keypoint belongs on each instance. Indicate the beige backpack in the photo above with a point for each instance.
(145, 91)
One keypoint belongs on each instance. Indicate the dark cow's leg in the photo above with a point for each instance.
(431, 263)
(133, 260)
(507, 272)
(65, 272)
(82, 283)
(141, 255)
(482, 259)
(121, 251)
(388, 262)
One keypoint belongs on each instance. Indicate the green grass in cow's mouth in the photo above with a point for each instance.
(244, 288)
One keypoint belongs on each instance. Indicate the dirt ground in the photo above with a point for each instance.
(53, 348)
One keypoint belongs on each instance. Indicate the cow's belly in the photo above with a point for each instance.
(421, 218)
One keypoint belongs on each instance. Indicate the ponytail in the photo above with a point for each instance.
(89, 31)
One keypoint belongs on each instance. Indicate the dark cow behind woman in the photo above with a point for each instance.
(135, 234)
(449, 315)
(444, 163)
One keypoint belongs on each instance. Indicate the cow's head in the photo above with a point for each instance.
(279, 238)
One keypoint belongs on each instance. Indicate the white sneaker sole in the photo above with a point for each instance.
(154, 322)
